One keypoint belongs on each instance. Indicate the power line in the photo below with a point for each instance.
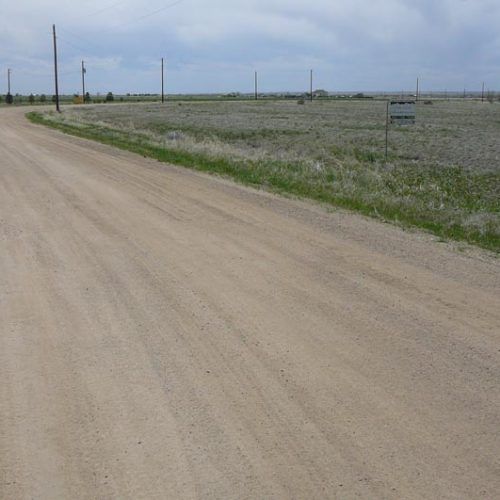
(104, 9)
(71, 44)
(149, 14)
(112, 28)
(160, 10)
(73, 72)
(91, 44)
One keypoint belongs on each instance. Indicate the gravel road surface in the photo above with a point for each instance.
(165, 334)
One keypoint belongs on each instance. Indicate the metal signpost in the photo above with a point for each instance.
(399, 113)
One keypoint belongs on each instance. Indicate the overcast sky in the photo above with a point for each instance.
(215, 46)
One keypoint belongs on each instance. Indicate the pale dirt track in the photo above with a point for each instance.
(168, 335)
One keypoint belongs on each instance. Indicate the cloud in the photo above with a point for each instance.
(216, 45)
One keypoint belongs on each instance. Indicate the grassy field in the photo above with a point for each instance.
(442, 175)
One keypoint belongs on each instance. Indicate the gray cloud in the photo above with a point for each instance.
(216, 46)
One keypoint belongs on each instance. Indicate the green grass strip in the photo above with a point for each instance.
(274, 179)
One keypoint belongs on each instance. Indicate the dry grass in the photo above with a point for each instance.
(443, 174)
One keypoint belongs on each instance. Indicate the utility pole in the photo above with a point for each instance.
(55, 68)
(256, 86)
(417, 89)
(482, 94)
(386, 131)
(311, 85)
(8, 98)
(83, 81)
(162, 82)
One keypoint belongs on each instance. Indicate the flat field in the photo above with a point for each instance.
(442, 174)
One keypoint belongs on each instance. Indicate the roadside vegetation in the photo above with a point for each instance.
(442, 175)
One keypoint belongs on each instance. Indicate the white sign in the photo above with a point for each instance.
(402, 112)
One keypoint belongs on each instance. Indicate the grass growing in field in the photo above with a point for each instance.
(443, 174)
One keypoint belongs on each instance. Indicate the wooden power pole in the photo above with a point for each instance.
(55, 68)
(311, 84)
(83, 81)
(162, 81)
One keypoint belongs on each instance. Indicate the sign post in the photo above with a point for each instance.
(399, 113)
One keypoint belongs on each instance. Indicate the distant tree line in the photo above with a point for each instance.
(18, 98)
(42, 98)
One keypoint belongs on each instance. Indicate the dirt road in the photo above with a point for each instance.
(165, 334)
